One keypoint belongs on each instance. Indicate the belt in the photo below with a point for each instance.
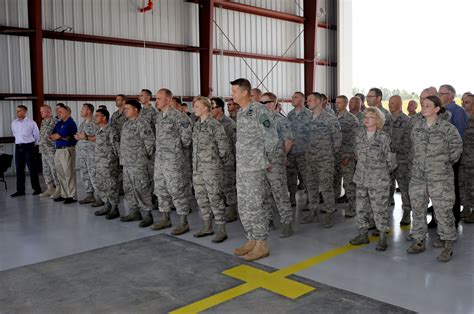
(25, 144)
(63, 147)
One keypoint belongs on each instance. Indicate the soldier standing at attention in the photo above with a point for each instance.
(173, 136)
(437, 146)
(233, 108)
(85, 151)
(257, 143)
(228, 182)
(374, 99)
(47, 150)
(375, 162)
(467, 160)
(117, 120)
(137, 145)
(211, 150)
(107, 148)
(355, 107)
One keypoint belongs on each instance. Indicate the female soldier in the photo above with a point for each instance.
(437, 145)
(375, 161)
(211, 149)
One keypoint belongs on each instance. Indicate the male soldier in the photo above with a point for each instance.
(401, 146)
(374, 99)
(230, 128)
(355, 107)
(411, 108)
(47, 150)
(326, 106)
(85, 150)
(233, 108)
(349, 126)
(257, 143)
(173, 135)
(299, 118)
(255, 94)
(107, 147)
(137, 145)
(117, 120)
(323, 134)
(277, 194)
(467, 160)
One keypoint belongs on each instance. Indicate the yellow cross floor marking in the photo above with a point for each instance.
(276, 281)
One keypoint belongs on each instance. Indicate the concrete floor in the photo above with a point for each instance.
(33, 230)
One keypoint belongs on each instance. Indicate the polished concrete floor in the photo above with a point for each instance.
(33, 230)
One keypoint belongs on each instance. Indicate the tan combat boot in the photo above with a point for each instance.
(259, 251)
(244, 249)
(57, 193)
(49, 191)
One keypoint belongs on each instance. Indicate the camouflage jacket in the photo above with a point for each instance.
(349, 128)
(468, 144)
(84, 147)
(117, 120)
(47, 146)
(401, 141)
(107, 147)
(323, 134)
(149, 115)
(230, 128)
(298, 122)
(137, 144)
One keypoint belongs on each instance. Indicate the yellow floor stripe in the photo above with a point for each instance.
(276, 282)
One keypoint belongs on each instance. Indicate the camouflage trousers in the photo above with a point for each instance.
(228, 185)
(137, 188)
(209, 195)
(337, 176)
(250, 194)
(276, 193)
(107, 183)
(49, 169)
(349, 185)
(441, 193)
(87, 170)
(320, 177)
(468, 175)
(296, 166)
(402, 175)
(171, 187)
(373, 200)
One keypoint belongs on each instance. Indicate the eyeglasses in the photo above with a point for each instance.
(440, 93)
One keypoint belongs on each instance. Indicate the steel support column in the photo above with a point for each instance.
(206, 26)
(310, 26)
(36, 57)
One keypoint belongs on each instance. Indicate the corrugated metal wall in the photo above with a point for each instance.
(14, 13)
(15, 65)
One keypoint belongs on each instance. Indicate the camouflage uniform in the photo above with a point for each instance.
(360, 116)
(47, 150)
(401, 146)
(277, 193)
(107, 147)
(296, 157)
(388, 126)
(188, 165)
(85, 152)
(211, 150)
(117, 120)
(324, 142)
(257, 143)
(148, 114)
(228, 187)
(173, 136)
(349, 128)
(435, 150)
(375, 161)
(467, 164)
(137, 145)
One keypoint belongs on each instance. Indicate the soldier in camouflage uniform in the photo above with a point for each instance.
(137, 146)
(436, 146)
(323, 134)
(299, 118)
(228, 183)
(107, 148)
(355, 107)
(257, 144)
(401, 146)
(117, 120)
(375, 162)
(374, 99)
(211, 150)
(85, 150)
(233, 109)
(277, 194)
(349, 128)
(173, 135)
(47, 150)
(467, 160)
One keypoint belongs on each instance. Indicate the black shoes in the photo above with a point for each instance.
(37, 192)
(17, 194)
(69, 200)
(59, 199)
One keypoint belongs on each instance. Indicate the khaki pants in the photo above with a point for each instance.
(65, 161)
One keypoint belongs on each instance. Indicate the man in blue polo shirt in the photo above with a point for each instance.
(447, 93)
(65, 157)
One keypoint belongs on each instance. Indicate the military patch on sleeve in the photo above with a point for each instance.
(265, 120)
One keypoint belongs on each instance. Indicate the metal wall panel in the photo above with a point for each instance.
(285, 6)
(14, 13)
(326, 44)
(283, 80)
(87, 68)
(257, 34)
(170, 21)
(15, 65)
(326, 81)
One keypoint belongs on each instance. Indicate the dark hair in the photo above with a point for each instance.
(167, 92)
(450, 88)
(219, 102)
(270, 95)
(122, 95)
(361, 96)
(317, 95)
(324, 97)
(23, 107)
(376, 91)
(257, 90)
(89, 106)
(178, 100)
(134, 103)
(437, 103)
(243, 83)
(147, 91)
(343, 97)
(105, 112)
(102, 107)
(61, 105)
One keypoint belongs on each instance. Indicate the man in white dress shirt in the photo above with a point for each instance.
(27, 137)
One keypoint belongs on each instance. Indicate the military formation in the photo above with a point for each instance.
(250, 164)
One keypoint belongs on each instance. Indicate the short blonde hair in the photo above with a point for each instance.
(203, 100)
(378, 113)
